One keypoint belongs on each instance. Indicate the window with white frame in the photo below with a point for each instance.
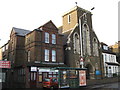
(28, 56)
(46, 55)
(46, 37)
(53, 39)
(105, 57)
(105, 47)
(53, 56)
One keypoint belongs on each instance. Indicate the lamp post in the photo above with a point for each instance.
(81, 43)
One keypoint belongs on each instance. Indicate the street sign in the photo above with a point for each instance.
(5, 64)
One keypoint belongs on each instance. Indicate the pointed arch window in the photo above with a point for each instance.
(86, 40)
(76, 43)
(95, 47)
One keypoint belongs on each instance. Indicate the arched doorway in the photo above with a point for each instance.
(89, 71)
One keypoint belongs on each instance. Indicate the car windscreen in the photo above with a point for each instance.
(46, 80)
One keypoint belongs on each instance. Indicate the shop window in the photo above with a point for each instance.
(40, 77)
(50, 75)
(44, 75)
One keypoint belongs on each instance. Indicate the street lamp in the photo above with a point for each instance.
(81, 43)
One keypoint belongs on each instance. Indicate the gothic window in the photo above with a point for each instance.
(76, 43)
(95, 47)
(86, 40)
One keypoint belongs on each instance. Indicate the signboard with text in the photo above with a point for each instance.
(5, 64)
(33, 69)
(82, 78)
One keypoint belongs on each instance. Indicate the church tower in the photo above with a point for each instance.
(71, 18)
(81, 41)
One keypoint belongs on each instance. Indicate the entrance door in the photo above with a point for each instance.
(33, 79)
(89, 70)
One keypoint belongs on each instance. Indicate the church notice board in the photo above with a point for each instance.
(82, 78)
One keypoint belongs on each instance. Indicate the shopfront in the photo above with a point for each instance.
(38, 74)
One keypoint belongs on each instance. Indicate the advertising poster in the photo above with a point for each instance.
(82, 78)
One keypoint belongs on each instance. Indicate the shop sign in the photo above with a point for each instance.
(82, 78)
(5, 64)
(33, 69)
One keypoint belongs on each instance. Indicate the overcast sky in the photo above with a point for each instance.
(30, 14)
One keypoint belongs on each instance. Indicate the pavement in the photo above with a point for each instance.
(108, 86)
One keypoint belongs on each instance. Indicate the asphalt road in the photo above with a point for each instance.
(110, 86)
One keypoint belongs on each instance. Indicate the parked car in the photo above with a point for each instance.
(50, 83)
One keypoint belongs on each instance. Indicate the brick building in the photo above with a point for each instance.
(3, 57)
(33, 54)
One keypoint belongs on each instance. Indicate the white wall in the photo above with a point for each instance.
(110, 68)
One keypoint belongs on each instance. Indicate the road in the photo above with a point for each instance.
(110, 86)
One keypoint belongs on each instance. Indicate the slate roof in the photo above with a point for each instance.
(21, 32)
(66, 34)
